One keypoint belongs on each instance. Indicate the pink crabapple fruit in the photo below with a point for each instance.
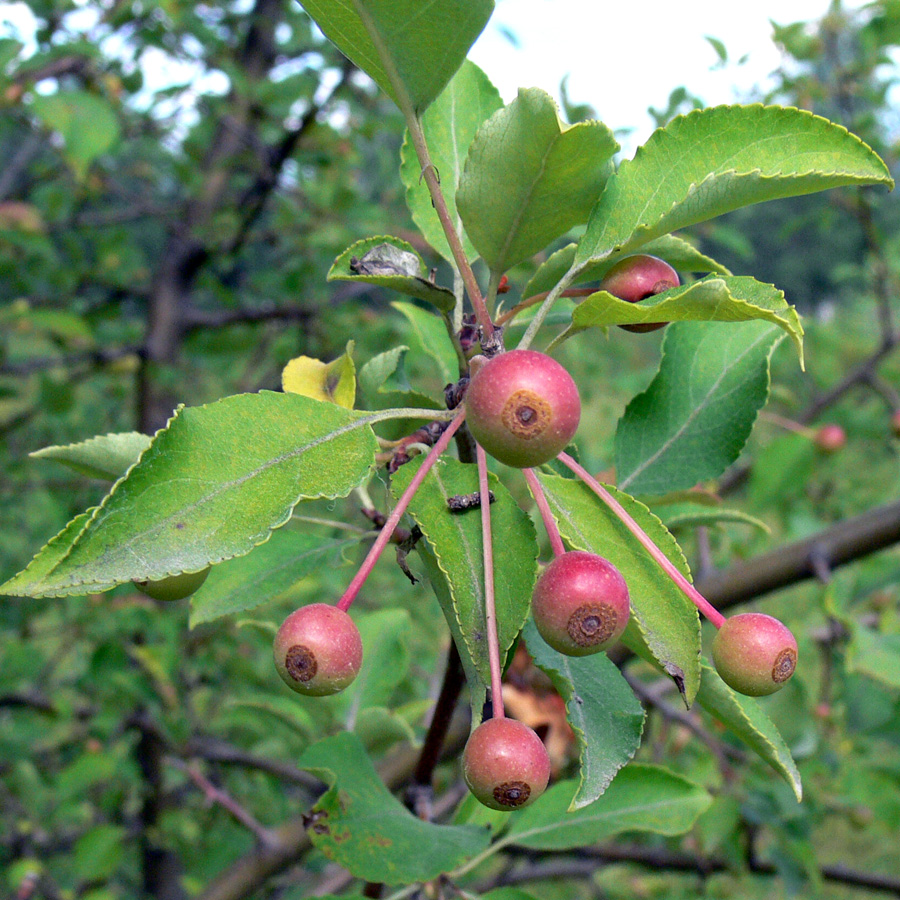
(754, 653)
(318, 650)
(523, 408)
(636, 278)
(505, 764)
(580, 604)
(831, 438)
(895, 423)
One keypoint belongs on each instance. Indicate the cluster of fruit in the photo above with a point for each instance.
(523, 408)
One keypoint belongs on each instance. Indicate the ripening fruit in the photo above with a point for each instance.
(175, 587)
(318, 650)
(831, 438)
(895, 423)
(755, 654)
(580, 604)
(505, 764)
(638, 277)
(523, 408)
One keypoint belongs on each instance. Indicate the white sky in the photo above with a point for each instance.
(624, 57)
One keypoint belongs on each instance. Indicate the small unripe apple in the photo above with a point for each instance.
(580, 604)
(175, 587)
(755, 654)
(831, 438)
(638, 277)
(505, 764)
(523, 408)
(318, 650)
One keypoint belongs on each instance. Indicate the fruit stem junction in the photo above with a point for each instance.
(667, 566)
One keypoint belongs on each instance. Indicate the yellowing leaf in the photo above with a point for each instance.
(333, 382)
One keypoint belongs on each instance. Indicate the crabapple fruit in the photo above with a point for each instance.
(505, 764)
(175, 587)
(523, 408)
(580, 603)
(754, 653)
(318, 650)
(638, 277)
(831, 438)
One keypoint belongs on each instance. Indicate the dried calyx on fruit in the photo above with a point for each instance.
(754, 653)
(522, 407)
(505, 764)
(638, 277)
(580, 604)
(318, 650)
(175, 587)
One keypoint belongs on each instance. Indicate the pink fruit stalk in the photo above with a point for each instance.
(754, 653)
(523, 408)
(580, 604)
(318, 650)
(636, 278)
(505, 764)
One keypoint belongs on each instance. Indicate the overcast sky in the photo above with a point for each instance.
(643, 50)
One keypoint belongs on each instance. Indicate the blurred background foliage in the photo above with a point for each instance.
(176, 180)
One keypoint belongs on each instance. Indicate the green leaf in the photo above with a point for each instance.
(455, 539)
(333, 382)
(449, 124)
(98, 852)
(107, 456)
(664, 623)
(691, 515)
(529, 178)
(410, 49)
(745, 718)
(361, 826)
(433, 338)
(507, 893)
(384, 383)
(713, 299)
(284, 709)
(676, 251)
(642, 798)
(875, 655)
(174, 512)
(715, 160)
(601, 708)
(391, 263)
(68, 112)
(385, 634)
(695, 417)
(267, 573)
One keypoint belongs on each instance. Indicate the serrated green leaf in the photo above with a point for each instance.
(106, 456)
(601, 708)
(174, 512)
(642, 798)
(676, 251)
(745, 718)
(409, 48)
(66, 112)
(692, 515)
(455, 539)
(260, 577)
(695, 417)
(714, 160)
(432, 337)
(664, 623)
(449, 124)
(529, 178)
(713, 299)
(331, 382)
(360, 825)
(391, 263)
